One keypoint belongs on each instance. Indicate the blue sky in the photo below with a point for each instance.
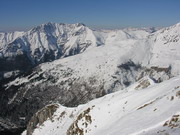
(24, 14)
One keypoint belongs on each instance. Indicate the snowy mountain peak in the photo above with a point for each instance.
(50, 27)
(175, 29)
(43, 27)
(131, 60)
(49, 41)
(177, 25)
(80, 24)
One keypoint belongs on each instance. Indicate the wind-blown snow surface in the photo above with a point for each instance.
(150, 111)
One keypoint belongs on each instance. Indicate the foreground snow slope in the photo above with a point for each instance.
(150, 111)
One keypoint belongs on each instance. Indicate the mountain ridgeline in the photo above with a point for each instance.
(44, 43)
(36, 68)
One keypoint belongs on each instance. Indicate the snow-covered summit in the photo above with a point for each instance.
(43, 43)
(107, 61)
(52, 40)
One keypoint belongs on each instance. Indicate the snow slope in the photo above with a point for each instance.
(165, 47)
(150, 111)
(104, 63)
(114, 60)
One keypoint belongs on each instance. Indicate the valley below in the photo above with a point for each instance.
(70, 79)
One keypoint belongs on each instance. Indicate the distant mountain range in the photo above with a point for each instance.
(51, 41)
(71, 64)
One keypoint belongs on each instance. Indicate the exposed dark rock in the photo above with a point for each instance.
(41, 116)
(26, 99)
(9, 128)
(19, 62)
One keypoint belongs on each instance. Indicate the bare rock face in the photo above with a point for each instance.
(41, 116)
(74, 128)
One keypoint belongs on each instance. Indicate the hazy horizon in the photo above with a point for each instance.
(22, 15)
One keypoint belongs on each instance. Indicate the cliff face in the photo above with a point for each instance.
(41, 116)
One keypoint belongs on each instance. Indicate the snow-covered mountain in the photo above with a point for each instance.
(107, 61)
(150, 111)
(48, 42)
(44, 43)
(6, 38)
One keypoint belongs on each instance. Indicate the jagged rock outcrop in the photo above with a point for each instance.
(41, 116)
